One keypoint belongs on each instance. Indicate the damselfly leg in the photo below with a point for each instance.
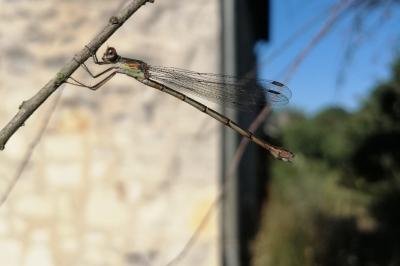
(94, 56)
(99, 74)
(92, 87)
(100, 83)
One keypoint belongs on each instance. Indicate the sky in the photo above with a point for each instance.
(314, 85)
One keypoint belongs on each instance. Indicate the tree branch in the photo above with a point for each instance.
(27, 108)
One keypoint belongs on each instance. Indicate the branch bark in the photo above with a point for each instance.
(27, 108)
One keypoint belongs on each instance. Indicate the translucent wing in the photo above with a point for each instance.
(244, 94)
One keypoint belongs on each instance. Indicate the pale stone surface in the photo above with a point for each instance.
(38, 250)
(11, 251)
(103, 209)
(64, 174)
(123, 175)
(33, 206)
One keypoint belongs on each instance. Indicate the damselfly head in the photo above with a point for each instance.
(110, 55)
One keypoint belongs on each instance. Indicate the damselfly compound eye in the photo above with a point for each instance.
(111, 51)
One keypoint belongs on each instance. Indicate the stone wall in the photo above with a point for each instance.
(123, 175)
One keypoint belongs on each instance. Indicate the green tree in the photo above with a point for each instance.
(338, 204)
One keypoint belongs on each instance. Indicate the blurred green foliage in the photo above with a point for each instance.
(339, 202)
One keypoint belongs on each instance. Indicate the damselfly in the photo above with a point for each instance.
(238, 93)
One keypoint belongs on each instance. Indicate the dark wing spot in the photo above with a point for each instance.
(277, 83)
(274, 92)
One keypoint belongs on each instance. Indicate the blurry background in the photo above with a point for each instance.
(125, 175)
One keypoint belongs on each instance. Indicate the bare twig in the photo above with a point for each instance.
(195, 235)
(31, 148)
(27, 108)
(358, 37)
(292, 39)
(336, 10)
(233, 164)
